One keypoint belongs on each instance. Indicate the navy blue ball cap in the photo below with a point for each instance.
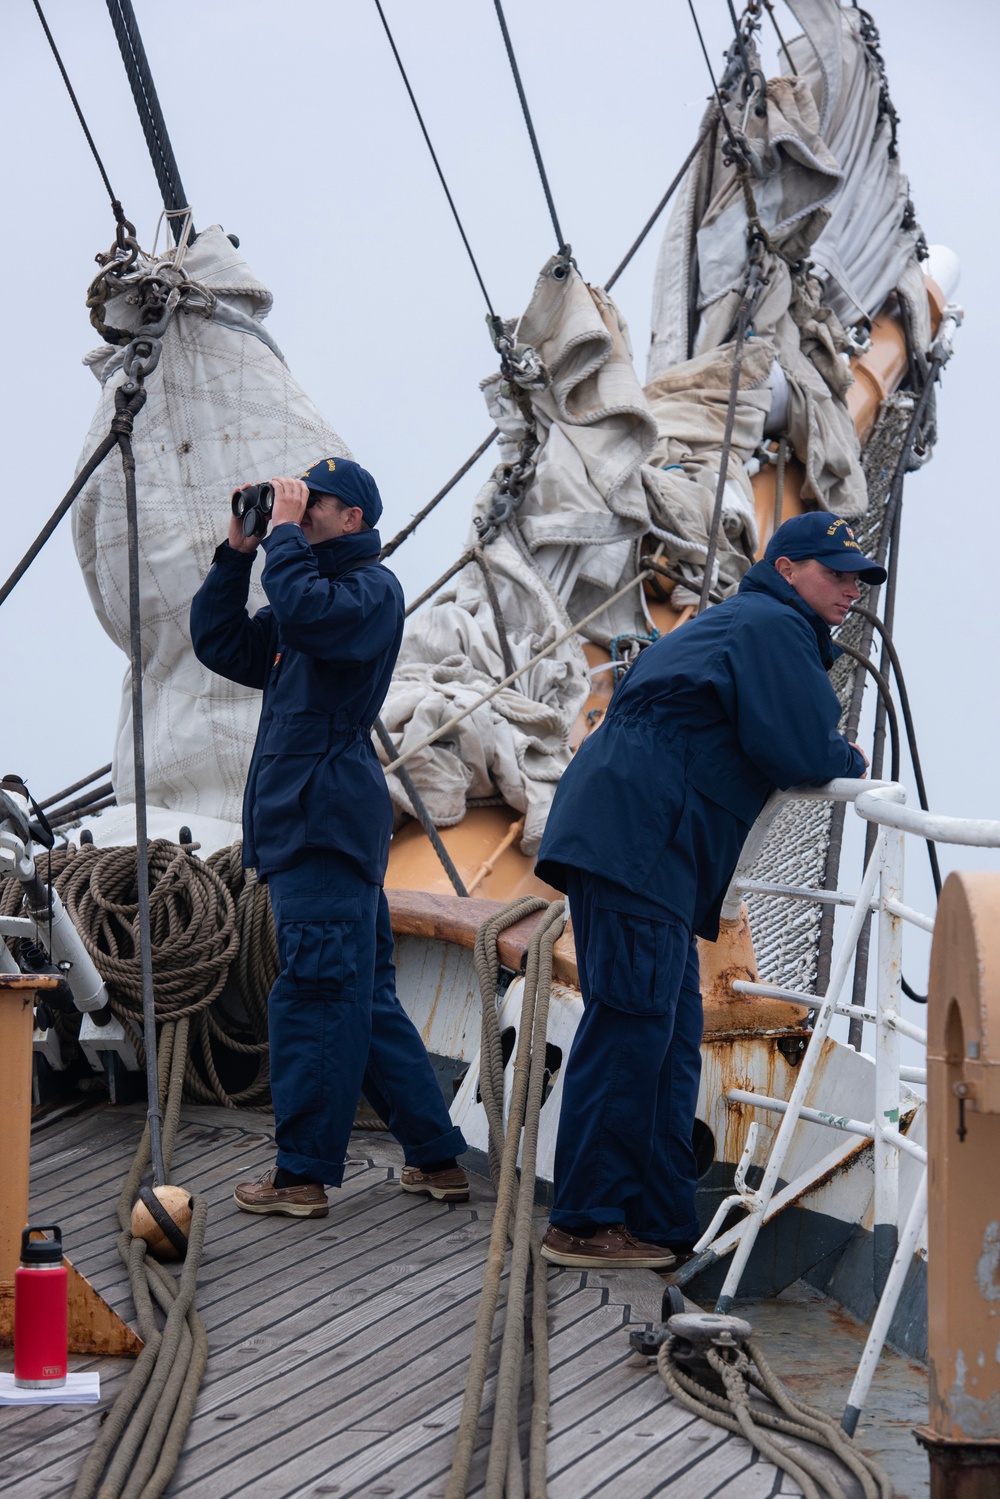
(826, 537)
(349, 482)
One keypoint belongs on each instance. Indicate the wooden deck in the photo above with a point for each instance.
(339, 1346)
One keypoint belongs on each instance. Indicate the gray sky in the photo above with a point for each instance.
(291, 128)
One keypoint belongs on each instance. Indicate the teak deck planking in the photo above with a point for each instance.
(339, 1346)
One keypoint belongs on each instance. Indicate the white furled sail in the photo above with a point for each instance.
(835, 235)
(222, 410)
(563, 547)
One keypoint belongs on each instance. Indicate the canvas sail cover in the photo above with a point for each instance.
(222, 410)
(572, 542)
(834, 204)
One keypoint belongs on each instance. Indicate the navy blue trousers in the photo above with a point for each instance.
(336, 1026)
(624, 1151)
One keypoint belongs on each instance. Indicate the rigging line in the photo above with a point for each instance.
(561, 242)
(412, 525)
(834, 849)
(93, 463)
(509, 680)
(147, 104)
(781, 40)
(885, 693)
(437, 164)
(119, 212)
(95, 775)
(706, 130)
(421, 515)
(911, 737)
(421, 811)
(741, 45)
(456, 567)
(726, 123)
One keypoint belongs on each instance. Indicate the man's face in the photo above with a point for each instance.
(830, 593)
(328, 518)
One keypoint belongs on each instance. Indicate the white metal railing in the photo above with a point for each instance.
(882, 803)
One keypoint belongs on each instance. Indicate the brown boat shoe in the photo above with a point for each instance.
(611, 1247)
(262, 1196)
(444, 1186)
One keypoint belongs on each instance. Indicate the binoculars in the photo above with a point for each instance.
(253, 506)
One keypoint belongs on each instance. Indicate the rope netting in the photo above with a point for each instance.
(786, 933)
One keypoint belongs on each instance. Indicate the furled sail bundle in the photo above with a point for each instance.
(568, 396)
(802, 171)
(222, 410)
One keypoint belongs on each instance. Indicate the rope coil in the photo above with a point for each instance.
(743, 1373)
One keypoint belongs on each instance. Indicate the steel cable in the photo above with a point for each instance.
(116, 206)
(147, 105)
(443, 181)
(420, 811)
(432, 504)
(561, 244)
(893, 505)
(95, 460)
(911, 733)
(885, 694)
(747, 303)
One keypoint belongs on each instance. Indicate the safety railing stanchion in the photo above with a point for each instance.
(887, 1046)
(899, 1269)
(806, 1072)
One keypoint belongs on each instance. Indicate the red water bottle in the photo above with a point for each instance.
(40, 1312)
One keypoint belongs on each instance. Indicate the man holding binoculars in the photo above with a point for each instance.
(316, 824)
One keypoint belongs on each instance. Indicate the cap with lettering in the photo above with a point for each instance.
(826, 537)
(350, 482)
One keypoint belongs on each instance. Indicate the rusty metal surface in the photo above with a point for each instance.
(961, 1470)
(814, 1347)
(728, 1014)
(92, 1325)
(17, 996)
(963, 1105)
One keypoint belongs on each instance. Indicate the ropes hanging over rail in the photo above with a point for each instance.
(513, 1215)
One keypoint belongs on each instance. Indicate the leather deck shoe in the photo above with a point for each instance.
(610, 1248)
(443, 1186)
(263, 1196)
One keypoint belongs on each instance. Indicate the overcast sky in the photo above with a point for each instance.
(291, 128)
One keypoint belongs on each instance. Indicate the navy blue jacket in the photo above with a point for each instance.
(323, 655)
(700, 730)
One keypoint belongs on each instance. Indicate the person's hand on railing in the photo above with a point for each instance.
(864, 774)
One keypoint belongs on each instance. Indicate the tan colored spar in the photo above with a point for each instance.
(93, 1326)
(963, 1218)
